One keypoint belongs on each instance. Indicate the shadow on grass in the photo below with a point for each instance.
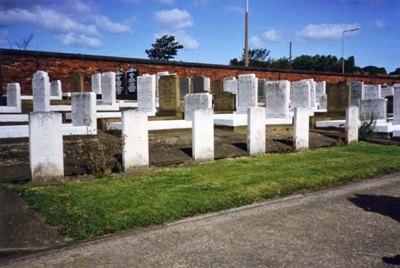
(388, 206)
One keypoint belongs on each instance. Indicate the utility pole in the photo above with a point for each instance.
(290, 55)
(246, 36)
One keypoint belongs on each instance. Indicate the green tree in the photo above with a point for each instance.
(164, 48)
(373, 70)
(257, 58)
(396, 72)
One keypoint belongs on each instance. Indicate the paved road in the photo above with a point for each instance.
(352, 226)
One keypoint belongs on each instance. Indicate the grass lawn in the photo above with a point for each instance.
(101, 206)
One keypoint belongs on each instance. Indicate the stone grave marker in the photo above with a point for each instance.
(120, 85)
(136, 139)
(352, 118)
(247, 93)
(356, 89)
(371, 92)
(217, 87)
(256, 130)
(262, 83)
(231, 85)
(96, 83)
(313, 93)
(224, 102)
(185, 85)
(396, 104)
(301, 128)
(196, 101)
(46, 155)
(132, 75)
(375, 107)
(83, 108)
(387, 91)
(55, 89)
(301, 94)
(169, 95)
(41, 92)
(146, 93)
(277, 94)
(108, 88)
(159, 74)
(338, 98)
(14, 96)
(203, 135)
(201, 84)
(77, 82)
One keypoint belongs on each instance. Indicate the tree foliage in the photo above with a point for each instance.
(21, 44)
(396, 72)
(374, 70)
(164, 48)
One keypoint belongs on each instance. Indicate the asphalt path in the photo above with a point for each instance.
(357, 225)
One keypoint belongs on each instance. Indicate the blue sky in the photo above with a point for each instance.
(212, 31)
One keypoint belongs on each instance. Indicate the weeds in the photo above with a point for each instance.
(366, 130)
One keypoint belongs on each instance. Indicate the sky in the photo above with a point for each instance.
(211, 31)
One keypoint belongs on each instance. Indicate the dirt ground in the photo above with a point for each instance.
(167, 148)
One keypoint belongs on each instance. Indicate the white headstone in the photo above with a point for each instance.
(323, 102)
(352, 118)
(301, 128)
(46, 145)
(396, 104)
(247, 93)
(231, 85)
(356, 89)
(277, 94)
(256, 130)
(83, 107)
(108, 88)
(146, 93)
(375, 107)
(387, 91)
(320, 90)
(96, 83)
(203, 135)
(371, 92)
(136, 139)
(262, 83)
(55, 89)
(14, 96)
(41, 92)
(313, 92)
(196, 101)
(301, 94)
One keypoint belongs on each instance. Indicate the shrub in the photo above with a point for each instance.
(366, 130)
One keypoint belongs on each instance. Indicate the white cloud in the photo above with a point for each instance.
(80, 40)
(379, 24)
(272, 36)
(326, 31)
(104, 24)
(256, 42)
(174, 18)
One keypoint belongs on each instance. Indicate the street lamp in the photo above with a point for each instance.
(246, 36)
(345, 31)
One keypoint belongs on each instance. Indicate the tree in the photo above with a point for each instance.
(257, 58)
(164, 48)
(396, 72)
(374, 70)
(21, 44)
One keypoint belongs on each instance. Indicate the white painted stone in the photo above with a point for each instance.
(146, 93)
(320, 89)
(41, 92)
(396, 104)
(356, 92)
(108, 89)
(261, 88)
(377, 107)
(83, 106)
(301, 128)
(323, 102)
(231, 85)
(301, 94)
(387, 91)
(55, 89)
(14, 96)
(256, 130)
(46, 145)
(371, 92)
(352, 122)
(277, 94)
(7, 118)
(96, 83)
(247, 93)
(203, 135)
(313, 93)
(196, 101)
(136, 139)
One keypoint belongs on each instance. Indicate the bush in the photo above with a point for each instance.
(366, 130)
(99, 154)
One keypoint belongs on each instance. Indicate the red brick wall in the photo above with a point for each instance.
(17, 66)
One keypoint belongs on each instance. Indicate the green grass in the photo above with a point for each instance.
(93, 208)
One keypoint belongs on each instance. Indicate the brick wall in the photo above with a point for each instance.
(19, 66)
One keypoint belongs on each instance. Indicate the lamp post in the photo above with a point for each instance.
(246, 36)
(345, 31)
